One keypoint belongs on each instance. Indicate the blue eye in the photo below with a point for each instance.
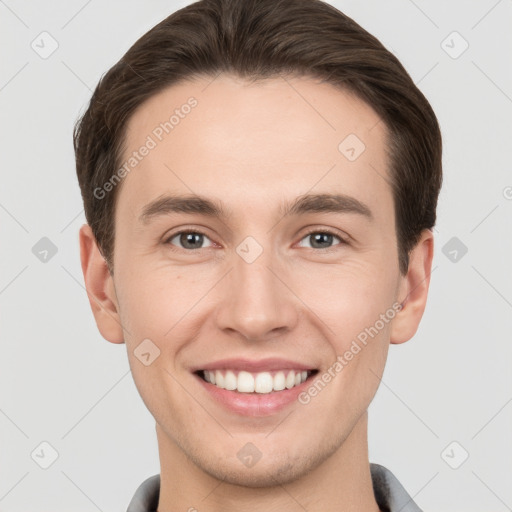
(189, 239)
(323, 237)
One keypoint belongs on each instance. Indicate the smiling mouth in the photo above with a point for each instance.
(256, 382)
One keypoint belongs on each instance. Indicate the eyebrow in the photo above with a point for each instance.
(200, 205)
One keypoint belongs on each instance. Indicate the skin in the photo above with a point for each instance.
(252, 146)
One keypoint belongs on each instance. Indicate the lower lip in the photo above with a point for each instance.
(254, 404)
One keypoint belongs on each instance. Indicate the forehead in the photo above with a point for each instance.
(248, 142)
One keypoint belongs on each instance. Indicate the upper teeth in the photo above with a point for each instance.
(263, 382)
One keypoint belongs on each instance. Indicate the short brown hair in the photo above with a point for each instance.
(257, 39)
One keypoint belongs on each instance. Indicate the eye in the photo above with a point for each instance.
(322, 238)
(189, 239)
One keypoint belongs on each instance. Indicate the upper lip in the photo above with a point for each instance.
(249, 365)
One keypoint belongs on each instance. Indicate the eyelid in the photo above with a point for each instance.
(167, 238)
(344, 239)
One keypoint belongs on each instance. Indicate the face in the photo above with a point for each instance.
(223, 262)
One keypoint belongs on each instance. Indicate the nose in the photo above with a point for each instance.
(258, 302)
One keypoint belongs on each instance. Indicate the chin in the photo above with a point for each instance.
(266, 473)
(263, 477)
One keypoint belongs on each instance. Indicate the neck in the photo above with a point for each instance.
(341, 483)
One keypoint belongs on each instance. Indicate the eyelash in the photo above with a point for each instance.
(342, 240)
(313, 231)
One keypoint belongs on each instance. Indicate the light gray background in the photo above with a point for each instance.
(60, 382)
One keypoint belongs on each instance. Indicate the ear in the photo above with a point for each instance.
(413, 289)
(100, 287)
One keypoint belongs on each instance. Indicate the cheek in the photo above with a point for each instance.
(152, 302)
(348, 297)
(356, 304)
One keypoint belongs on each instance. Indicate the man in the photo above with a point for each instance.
(260, 180)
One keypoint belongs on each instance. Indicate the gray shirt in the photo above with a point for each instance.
(389, 493)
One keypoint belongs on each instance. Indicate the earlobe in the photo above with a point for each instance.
(100, 287)
(413, 290)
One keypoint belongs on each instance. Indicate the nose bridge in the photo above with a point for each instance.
(258, 304)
